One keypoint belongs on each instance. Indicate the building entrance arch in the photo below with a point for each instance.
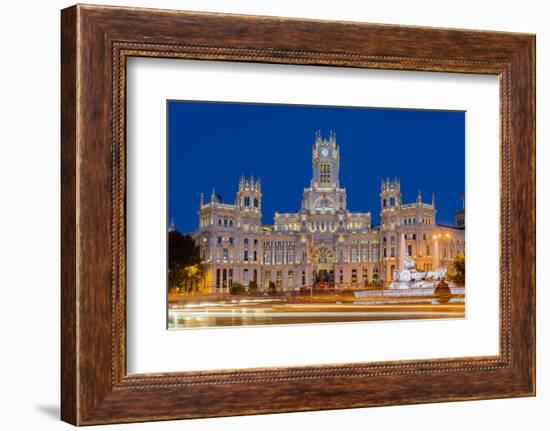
(323, 267)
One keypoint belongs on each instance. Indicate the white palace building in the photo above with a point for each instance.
(322, 242)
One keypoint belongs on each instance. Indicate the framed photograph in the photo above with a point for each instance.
(236, 261)
(322, 214)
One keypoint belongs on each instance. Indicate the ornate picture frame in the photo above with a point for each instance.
(96, 41)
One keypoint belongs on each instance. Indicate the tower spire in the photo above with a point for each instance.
(213, 195)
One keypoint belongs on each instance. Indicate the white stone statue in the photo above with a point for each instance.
(411, 278)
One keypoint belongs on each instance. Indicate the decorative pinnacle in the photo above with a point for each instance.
(172, 226)
(331, 139)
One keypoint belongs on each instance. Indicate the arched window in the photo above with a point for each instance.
(323, 255)
(323, 204)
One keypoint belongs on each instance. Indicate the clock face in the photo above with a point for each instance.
(324, 152)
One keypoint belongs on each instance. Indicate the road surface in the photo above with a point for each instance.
(215, 312)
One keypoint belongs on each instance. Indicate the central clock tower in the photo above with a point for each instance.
(326, 163)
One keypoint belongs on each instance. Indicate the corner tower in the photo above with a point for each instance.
(249, 196)
(390, 195)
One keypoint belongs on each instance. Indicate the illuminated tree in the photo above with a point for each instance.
(185, 271)
(457, 272)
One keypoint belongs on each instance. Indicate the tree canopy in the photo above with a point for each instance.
(182, 250)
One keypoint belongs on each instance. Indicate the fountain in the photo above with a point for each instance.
(410, 278)
(408, 283)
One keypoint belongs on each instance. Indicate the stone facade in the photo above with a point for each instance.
(322, 243)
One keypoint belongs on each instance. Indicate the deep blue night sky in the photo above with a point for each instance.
(212, 144)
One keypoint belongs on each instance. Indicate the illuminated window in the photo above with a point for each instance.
(290, 257)
(324, 169)
(279, 279)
